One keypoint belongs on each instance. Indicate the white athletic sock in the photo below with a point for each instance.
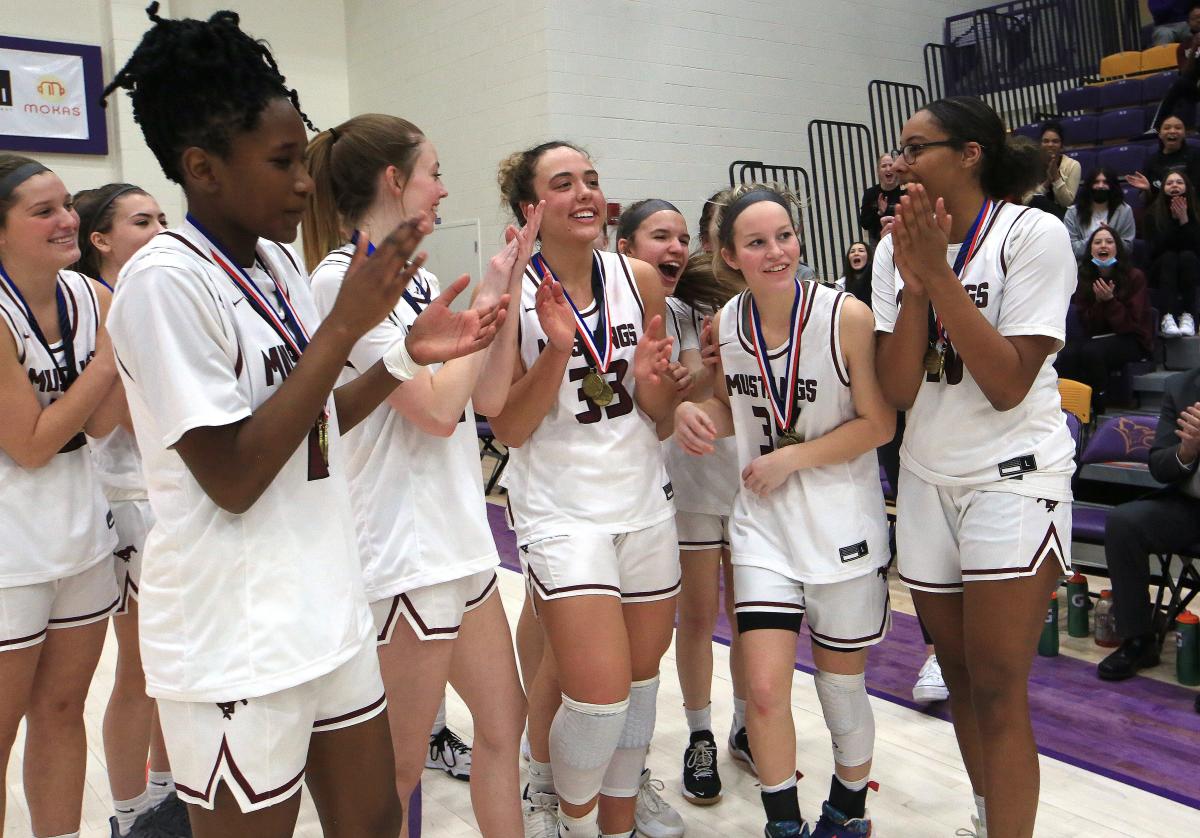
(699, 719)
(739, 713)
(160, 785)
(440, 721)
(541, 776)
(127, 811)
(581, 827)
(853, 785)
(981, 809)
(790, 782)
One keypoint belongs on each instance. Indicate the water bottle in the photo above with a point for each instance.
(1187, 649)
(1077, 605)
(1048, 643)
(1106, 624)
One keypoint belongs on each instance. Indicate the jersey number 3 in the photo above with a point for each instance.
(622, 402)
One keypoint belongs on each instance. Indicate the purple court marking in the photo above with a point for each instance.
(1151, 730)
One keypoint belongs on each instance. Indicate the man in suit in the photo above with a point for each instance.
(1164, 522)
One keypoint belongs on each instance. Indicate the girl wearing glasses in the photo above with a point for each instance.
(970, 297)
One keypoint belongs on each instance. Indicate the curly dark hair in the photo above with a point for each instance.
(197, 83)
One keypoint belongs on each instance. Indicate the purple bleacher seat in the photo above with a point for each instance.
(1080, 130)
(1077, 99)
(1141, 254)
(1121, 439)
(1119, 94)
(888, 492)
(1155, 87)
(1074, 426)
(1086, 157)
(1193, 142)
(1088, 523)
(1123, 124)
(1033, 131)
(1133, 196)
(1123, 159)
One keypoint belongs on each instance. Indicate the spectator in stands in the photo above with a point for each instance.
(879, 201)
(1174, 155)
(1057, 192)
(1174, 232)
(1165, 522)
(856, 272)
(1100, 203)
(1171, 20)
(804, 270)
(1113, 308)
(1185, 89)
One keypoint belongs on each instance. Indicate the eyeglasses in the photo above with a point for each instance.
(910, 151)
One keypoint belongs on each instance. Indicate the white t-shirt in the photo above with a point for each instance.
(418, 499)
(54, 519)
(232, 606)
(1022, 278)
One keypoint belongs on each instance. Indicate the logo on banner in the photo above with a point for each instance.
(52, 88)
(6, 94)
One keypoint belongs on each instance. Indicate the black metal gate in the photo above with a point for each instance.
(843, 167)
(892, 103)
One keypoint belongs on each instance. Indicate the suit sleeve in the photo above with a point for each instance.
(1164, 453)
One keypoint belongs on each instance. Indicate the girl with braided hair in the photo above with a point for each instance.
(256, 637)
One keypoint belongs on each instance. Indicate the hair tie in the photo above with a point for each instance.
(737, 207)
(19, 175)
(334, 135)
(94, 217)
(632, 218)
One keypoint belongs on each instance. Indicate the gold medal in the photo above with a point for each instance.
(605, 397)
(323, 436)
(789, 437)
(593, 385)
(935, 362)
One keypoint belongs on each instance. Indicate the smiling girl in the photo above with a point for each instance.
(796, 386)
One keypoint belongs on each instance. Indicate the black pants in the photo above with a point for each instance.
(1176, 275)
(1090, 360)
(1184, 90)
(1166, 522)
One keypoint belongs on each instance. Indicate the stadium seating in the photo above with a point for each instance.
(1123, 124)
(1120, 64)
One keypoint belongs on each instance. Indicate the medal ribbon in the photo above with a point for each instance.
(68, 373)
(782, 405)
(602, 336)
(289, 327)
(424, 292)
(975, 236)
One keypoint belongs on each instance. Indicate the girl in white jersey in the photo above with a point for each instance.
(655, 232)
(256, 636)
(796, 385)
(57, 380)
(430, 578)
(970, 296)
(588, 493)
(115, 221)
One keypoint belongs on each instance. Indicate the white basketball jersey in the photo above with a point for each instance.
(418, 499)
(1021, 278)
(54, 518)
(707, 484)
(587, 467)
(232, 605)
(822, 524)
(119, 466)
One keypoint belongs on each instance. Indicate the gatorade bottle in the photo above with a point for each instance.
(1106, 627)
(1077, 605)
(1187, 649)
(1048, 644)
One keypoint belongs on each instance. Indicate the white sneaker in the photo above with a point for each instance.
(526, 755)
(1169, 328)
(450, 754)
(930, 686)
(654, 816)
(539, 810)
(978, 829)
(1187, 326)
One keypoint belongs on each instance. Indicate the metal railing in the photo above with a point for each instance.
(892, 103)
(793, 178)
(935, 71)
(843, 166)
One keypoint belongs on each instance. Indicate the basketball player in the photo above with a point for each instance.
(115, 221)
(256, 636)
(56, 380)
(796, 384)
(971, 295)
(589, 496)
(431, 582)
(655, 232)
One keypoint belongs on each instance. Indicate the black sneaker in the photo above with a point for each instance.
(701, 780)
(1133, 654)
(166, 820)
(739, 747)
(450, 754)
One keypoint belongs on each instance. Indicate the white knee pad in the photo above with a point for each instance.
(582, 740)
(848, 716)
(624, 775)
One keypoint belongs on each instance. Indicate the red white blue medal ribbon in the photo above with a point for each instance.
(974, 240)
(598, 345)
(783, 405)
(424, 292)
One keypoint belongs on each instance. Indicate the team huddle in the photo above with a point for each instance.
(277, 455)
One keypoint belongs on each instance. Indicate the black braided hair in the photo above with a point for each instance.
(197, 83)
